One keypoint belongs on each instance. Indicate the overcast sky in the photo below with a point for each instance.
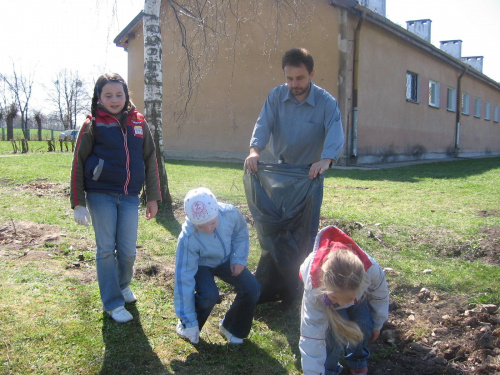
(45, 37)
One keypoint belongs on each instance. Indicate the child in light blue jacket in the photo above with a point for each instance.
(213, 242)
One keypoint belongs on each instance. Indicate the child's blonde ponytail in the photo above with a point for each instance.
(343, 271)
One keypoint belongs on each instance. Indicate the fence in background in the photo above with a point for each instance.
(32, 134)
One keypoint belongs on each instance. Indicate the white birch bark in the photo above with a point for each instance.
(153, 86)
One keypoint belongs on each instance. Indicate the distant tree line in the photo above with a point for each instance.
(65, 98)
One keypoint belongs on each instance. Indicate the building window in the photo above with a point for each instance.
(451, 99)
(412, 89)
(495, 113)
(487, 110)
(434, 89)
(477, 107)
(465, 103)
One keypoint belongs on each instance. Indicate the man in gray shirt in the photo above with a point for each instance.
(302, 124)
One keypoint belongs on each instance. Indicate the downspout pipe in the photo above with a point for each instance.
(355, 79)
(459, 111)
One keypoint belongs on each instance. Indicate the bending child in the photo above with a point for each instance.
(213, 242)
(114, 157)
(345, 304)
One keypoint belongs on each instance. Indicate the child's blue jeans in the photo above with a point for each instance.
(355, 357)
(238, 319)
(115, 220)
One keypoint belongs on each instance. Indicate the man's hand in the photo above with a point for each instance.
(81, 215)
(151, 209)
(319, 167)
(252, 160)
(236, 269)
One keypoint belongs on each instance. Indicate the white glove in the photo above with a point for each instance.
(81, 215)
(191, 333)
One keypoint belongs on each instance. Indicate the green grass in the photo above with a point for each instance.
(410, 218)
(6, 147)
(33, 134)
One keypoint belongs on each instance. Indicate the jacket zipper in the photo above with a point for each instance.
(127, 163)
(222, 243)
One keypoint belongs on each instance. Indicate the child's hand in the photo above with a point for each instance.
(236, 269)
(374, 336)
(81, 215)
(151, 209)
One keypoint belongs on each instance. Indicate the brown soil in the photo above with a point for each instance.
(427, 332)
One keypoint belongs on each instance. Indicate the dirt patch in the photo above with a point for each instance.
(427, 332)
(164, 275)
(43, 188)
(486, 213)
(20, 235)
(489, 249)
(39, 188)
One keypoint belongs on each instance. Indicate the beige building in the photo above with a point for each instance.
(401, 98)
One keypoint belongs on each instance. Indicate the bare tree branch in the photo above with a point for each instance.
(21, 87)
(69, 96)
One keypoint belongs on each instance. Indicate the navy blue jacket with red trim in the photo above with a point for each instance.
(112, 159)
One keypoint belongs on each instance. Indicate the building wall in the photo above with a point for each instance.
(388, 123)
(136, 68)
(390, 128)
(478, 135)
(234, 72)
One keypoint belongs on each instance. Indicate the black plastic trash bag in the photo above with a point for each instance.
(280, 199)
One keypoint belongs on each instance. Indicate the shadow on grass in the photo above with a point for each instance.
(284, 318)
(452, 168)
(127, 349)
(166, 219)
(442, 170)
(220, 359)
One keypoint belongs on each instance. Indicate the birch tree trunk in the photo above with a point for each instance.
(153, 89)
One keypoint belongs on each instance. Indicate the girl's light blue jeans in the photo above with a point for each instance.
(355, 357)
(115, 219)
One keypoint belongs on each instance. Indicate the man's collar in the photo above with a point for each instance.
(310, 96)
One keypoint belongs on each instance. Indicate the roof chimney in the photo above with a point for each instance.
(377, 6)
(452, 47)
(421, 28)
(474, 61)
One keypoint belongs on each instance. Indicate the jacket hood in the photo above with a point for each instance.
(331, 239)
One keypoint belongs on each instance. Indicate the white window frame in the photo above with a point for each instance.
(412, 87)
(495, 113)
(434, 93)
(487, 111)
(477, 107)
(466, 104)
(451, 99)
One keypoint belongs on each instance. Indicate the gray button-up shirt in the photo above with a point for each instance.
(299, 133)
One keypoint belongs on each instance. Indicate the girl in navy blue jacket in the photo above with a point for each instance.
(114, 157)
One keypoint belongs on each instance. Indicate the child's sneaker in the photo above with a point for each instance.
(230, 337)
(360, 371)
(128, 295)
(120, 315)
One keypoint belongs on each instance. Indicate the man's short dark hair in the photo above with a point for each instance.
(297, 57)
